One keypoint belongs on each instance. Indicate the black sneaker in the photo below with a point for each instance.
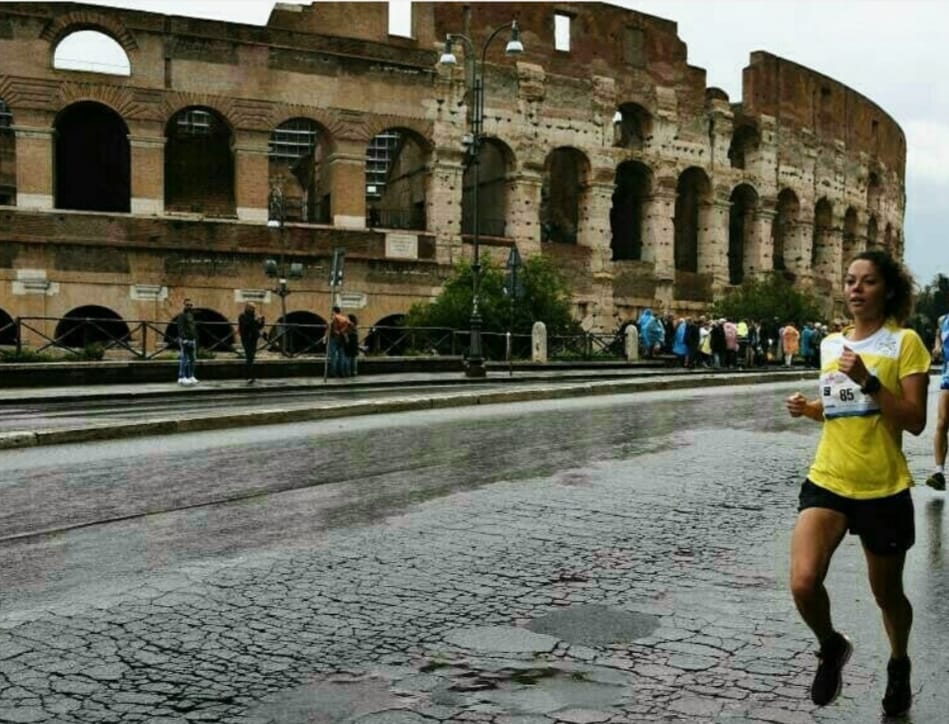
(899, 696)
(833, 654)
(937, 481)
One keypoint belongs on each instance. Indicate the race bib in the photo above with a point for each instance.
(841, 397)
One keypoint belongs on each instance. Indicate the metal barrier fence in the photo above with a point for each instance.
(148, 339)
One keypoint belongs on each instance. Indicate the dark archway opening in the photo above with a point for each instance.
(744, 143)
(215, 333)
(692, 191)
(8, 329)
(821, 250)
(492, 191)
(782, 230)
(633, 189)
(199, 166)
(397, 170)
(744, 200)
(564, 182)
(304, 332)
(387, 336)
(91, 324)
(93, 161)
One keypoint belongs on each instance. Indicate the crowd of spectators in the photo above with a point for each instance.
(719, 343)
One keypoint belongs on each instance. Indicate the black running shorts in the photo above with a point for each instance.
(886, 526)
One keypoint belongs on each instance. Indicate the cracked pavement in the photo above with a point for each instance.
(642, 583)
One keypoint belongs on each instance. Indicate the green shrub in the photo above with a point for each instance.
(25, 355)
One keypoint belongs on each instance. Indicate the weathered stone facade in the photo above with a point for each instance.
(129, 192)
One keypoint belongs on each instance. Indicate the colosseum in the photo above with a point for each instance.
(126, 187)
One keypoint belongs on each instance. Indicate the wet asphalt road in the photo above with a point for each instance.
(410, 564)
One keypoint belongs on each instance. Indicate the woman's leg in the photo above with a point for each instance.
(816, 536)
(886, 583)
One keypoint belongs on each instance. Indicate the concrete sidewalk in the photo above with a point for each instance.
(29, 422)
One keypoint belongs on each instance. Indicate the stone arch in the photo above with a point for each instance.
(784, 227)
(106, 54)
(565, 183)
(93, 166)
(215, 332)
(199, 163)
(873, 240)
(305, 333)
(632, 126)
(8, 328)
(398, 171)
(633, 189)
(693, 192)
(91, 324)
(421, 130)
(7, 156)
(741, 217)
(88, 19)
(744, 143)
(296, 165)
(822, 251)
(386, 336)
(496, 162)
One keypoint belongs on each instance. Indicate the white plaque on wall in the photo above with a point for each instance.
(401, 246)
(351, 300)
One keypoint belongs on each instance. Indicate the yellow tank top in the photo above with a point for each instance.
(861, 456)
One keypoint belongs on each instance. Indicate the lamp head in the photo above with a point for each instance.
(617, 117)
(273, 224)
(514, 45)
(448, 57)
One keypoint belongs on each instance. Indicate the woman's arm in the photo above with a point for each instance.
(800, 406)
(909, 411)
(906, 411)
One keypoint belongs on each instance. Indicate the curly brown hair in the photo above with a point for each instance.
(900, 296)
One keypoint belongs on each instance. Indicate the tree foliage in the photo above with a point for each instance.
(932, 302)
(769, 297)
(543, 295)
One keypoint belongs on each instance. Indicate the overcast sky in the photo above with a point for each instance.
(893, 51)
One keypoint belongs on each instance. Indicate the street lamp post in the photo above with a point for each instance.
(474, 72)
(276, 217)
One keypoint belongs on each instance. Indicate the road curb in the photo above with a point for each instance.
(409, 403)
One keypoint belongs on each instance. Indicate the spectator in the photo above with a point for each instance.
(187, 344)
(249, 325)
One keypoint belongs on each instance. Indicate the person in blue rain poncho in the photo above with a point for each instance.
(651, 332)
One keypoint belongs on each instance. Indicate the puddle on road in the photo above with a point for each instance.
(511, 669)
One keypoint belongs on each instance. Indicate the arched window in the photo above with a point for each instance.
(296, 167)
(564, 185)
(305, 333)
(93, 159)
(692, 193)
(387, 336)
(396, 179)
(822, 250)
(8, 329)
(744, 143)
(744, 201)
(91, 51)
(632, 192)
(91, 325)
(632, 127)
(784, 227)
(7, 157)
(199, 166)
(494, 161)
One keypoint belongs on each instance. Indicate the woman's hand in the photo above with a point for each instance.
(796, 404)
(852, 365)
